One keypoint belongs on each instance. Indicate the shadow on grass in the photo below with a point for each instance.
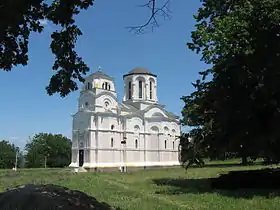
(228, 165)
(238, 184)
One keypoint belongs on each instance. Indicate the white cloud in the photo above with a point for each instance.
(43, 22)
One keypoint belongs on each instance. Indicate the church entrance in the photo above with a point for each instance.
(81, 157)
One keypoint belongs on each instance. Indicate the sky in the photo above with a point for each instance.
(25, 107)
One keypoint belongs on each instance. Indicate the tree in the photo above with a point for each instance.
(8, 154)
(20, 18)
(155, 11)
(21, 160)
(236, 103)
(48, 150)
(191, 151)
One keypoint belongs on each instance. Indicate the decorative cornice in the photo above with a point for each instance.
(127, 149)
(102, 114)
(160, 119)
(91, 92)
(107, 93)
(130, 74)
(131, 115)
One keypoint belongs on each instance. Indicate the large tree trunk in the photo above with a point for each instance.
(244, 160)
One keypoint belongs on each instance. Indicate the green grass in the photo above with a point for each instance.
(149, 189)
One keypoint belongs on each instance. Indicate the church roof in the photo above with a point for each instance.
(100, 75)
(139, 71)
(136, 71)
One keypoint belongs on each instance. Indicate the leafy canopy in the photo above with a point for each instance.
(20, 18)
(236, 104)
(54, 148)
(7, 155)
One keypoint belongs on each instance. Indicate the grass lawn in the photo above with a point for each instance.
(150, 189)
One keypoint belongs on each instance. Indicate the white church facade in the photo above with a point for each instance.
(138, 132)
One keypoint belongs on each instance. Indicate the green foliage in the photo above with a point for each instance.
(21, 160)
(238, 108)
(7, 155)
(20, 18)
(191, 152)
(55, 149)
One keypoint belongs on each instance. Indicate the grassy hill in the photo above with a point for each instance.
(150, 189)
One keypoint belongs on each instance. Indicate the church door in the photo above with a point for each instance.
(81, 157)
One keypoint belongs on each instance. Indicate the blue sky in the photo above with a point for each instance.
(25, 107)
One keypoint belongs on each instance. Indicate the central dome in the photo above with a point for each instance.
(100, 75)
(139, 71)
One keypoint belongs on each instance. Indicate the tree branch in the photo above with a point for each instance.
(163, 11)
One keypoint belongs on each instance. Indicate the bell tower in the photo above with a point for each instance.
(95, 85)
(140, 85)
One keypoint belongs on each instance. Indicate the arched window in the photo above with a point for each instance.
(86, 104)
(106, 86)
(136, 129)
(166, 130)
(165, 144)
(129, 90)
(112, 142)
(88, 85)
(173, 145)
(136, 143)
(140, 89)
(112, 127)
(151, 90)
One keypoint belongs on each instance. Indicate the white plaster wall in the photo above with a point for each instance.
(105, 123)
(107, 153)
(93, 156)
(93, 124)
(86, 156)
(101, 100)
(104, 140)
(109, 156)
(86, 101)
(81, 121)
(134, 121)
(135, 156)
(74, 156)
(143, 106)
(156, 111)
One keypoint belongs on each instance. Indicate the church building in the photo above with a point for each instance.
(138, 132)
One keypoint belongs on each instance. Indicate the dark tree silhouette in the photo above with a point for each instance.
(19, 18)
(236, 104)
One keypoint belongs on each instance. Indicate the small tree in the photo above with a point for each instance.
(8, 153)
(48, 150)
(191, 151)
